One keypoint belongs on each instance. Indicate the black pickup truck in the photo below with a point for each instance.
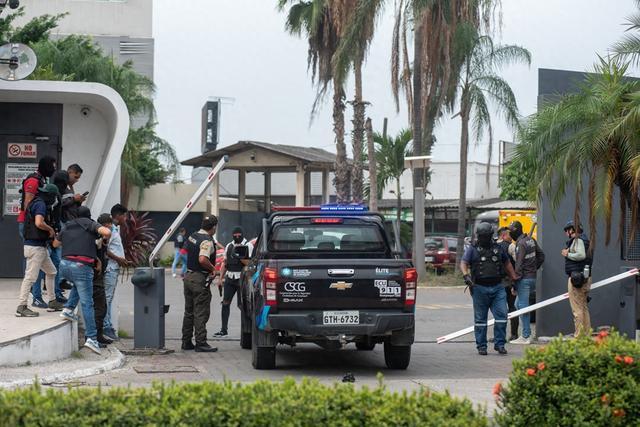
(331, 276)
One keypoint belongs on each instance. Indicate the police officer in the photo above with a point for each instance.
(233, 264)
(197, 293)
(577, 266)
(483, 265)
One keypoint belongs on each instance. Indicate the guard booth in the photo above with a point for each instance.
(84, 123)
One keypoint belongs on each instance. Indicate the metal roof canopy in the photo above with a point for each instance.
(264, 157)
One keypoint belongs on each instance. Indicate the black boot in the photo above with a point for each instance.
(205, 348)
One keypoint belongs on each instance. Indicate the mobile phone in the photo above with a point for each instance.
(85, 194)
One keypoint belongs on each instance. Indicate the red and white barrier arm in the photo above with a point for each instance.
(605, 282)
(190, 204)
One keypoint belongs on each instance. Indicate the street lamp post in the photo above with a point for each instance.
(418, 162)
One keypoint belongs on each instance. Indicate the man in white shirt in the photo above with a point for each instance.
(235, 258)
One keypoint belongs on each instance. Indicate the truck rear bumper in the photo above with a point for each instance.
(372, 323)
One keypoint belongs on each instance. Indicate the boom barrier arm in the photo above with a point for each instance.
(190, 204)
(545, 303)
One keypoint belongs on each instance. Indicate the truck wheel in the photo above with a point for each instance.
(397, 356)
(245, 332)
(365, 345)
(261, 357)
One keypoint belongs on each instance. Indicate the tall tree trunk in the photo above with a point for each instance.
(398, 201)
(417, 99)
(358, 136)
(373, 168)
(462, 206)
(342, 167)
(125, 188)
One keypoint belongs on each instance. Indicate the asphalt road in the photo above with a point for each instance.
(452, 366)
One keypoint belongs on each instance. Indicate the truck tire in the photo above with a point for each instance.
(261, 357)
(245, 332)
(365, 345)
(397, 356)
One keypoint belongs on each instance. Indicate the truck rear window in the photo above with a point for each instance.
(327, 238)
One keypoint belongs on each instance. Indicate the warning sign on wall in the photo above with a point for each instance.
(15, 173)
(22, 151)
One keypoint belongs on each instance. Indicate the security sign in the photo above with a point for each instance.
(22, 151)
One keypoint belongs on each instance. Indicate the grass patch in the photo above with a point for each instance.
(77, 355)
(445, 278)
(123, 334)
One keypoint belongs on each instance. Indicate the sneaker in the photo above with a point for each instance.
(521, 341)
(55, 305)
(205, 348)
(222, 333)
(482, 351)
(188, 345)
(92, 345)
(111, 334)
(24, 311)
(62, 299)
(104, 340)
(501, 350)
(39, 303)
(67, 314)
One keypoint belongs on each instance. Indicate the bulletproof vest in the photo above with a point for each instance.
(193, 251)
(42, 182)
(232, 262)
(31, 232)
(78, 239)
(488, 268)
(570, 265)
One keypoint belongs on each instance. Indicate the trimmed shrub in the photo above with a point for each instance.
(580, 382)
(286, 403)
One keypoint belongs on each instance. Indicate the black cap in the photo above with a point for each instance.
(209, 222)
(237, 230)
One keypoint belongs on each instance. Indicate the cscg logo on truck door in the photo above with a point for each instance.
(295, 287)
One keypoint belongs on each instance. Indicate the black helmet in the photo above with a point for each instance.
(515, 230)
(484, 229)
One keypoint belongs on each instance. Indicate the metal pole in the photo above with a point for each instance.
(190, 204)
(418, 233)
(541, 304)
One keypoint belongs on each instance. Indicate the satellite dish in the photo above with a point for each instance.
(17, 61)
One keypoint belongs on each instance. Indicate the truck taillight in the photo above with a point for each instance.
(270, 280)
(410, 281)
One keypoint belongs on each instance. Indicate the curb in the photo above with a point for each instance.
(104, 366)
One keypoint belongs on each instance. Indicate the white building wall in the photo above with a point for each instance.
(133, 18)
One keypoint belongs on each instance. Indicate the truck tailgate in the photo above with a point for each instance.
(340, 284)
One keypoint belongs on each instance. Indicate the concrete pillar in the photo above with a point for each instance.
(215, 196)
(242, 189)
(267, 191)
(326, 186)
(307, 188)
(300, 174)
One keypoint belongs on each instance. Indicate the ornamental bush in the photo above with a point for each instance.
(263, 403)
(582, 382)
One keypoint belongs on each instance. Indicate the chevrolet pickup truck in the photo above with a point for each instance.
(329, 275)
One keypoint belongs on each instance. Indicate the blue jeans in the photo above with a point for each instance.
(36, 289)
(110, 283)
(523, 287)
(492, 298)
(81, 276)
(178, 257)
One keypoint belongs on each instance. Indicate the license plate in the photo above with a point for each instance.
(340, 318)
(428, 259)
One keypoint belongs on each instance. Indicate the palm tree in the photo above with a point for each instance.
(479, 85)
(589, 140)
(629, 47)
(321, 22)
(390, 154)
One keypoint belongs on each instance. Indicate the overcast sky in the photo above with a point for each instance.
(239, 49)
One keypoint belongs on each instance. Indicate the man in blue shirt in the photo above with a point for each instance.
(38, 231)
(484, 265)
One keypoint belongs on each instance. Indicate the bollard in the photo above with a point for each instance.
(149, 308)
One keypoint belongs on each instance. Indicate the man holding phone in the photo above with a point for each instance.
(236, 256)
(71, 202)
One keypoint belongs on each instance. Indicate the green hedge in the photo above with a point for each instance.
(288, 403)
(581, 382)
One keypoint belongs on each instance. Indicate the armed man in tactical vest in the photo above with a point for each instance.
(38, 231)
(236, 256)
(484, 265)
(577, 266)
(197, 286)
